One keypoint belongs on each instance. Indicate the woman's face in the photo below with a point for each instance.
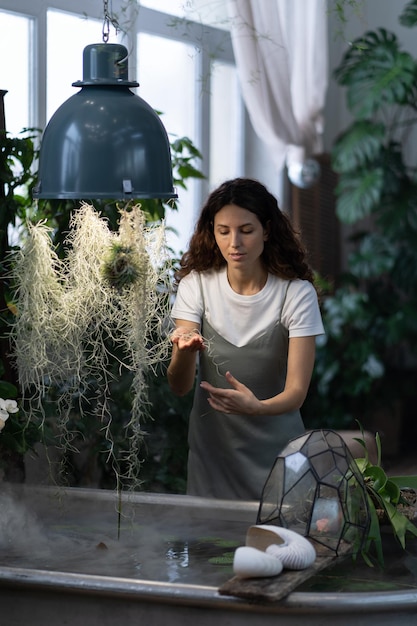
(240, 236)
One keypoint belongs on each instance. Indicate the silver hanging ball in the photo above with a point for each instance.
(304, 175)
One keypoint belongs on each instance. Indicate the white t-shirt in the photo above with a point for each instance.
(240, 319)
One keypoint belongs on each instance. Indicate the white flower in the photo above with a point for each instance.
(373, 367)
(6, 407)
(10, 406)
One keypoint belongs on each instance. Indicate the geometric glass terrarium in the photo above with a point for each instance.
(316, 489)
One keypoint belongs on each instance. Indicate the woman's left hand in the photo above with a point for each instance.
(239, 400)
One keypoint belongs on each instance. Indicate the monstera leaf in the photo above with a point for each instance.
(359, 145)
(409, 15)
(376, 73)
(372, 256)
(359, 194)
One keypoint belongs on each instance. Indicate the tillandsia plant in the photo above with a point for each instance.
(105, 300)
(387, 503)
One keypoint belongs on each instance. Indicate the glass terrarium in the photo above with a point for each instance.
(316, 489)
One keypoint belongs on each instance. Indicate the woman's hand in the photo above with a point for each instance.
(239, 400)
(186, 339)
(187, 342)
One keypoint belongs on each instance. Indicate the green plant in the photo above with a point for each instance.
(367, 358)
(17, 159)
(386, 502)
(18, 156)
(343, 10)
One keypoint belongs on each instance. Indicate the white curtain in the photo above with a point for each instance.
(281, 53)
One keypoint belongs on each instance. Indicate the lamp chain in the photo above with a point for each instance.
(108, 19)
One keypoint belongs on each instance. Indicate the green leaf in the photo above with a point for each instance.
(400, 524)
(7, 390)
(188, 171)
(379, 448)
(409, 16)
(373, 258)
(359, 194)
(185, 143)
(404, 482)
(376, 72)
(374, 535)
(360, 144)
(362, 463)
(377, 475)
(391, 492)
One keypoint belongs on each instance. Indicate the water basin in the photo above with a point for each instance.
(67, 557)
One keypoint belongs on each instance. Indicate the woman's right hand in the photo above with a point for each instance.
(187, 342)
(188, 339)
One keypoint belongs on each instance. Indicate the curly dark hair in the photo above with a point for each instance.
(284, 255)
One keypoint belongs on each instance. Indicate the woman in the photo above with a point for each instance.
(247, 306)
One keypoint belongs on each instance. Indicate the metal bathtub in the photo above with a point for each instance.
(37, 595)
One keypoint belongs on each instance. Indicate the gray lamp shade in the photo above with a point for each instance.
(105, 141)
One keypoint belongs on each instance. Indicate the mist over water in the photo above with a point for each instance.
(153, 545)
(20, 530)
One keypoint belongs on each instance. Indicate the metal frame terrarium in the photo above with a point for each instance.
(316, 489)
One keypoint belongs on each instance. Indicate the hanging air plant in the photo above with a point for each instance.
(120, 267)
(106, 301)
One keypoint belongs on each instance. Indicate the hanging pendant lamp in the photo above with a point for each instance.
(105, 141)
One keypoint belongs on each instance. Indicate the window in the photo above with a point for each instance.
(197, 85)
(16, 70)
(68, 34)
(212, 13)
(173, 94)
(226, 124)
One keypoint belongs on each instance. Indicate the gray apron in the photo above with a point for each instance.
(230, 456)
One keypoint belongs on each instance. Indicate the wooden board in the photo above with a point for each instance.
(278, 587)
